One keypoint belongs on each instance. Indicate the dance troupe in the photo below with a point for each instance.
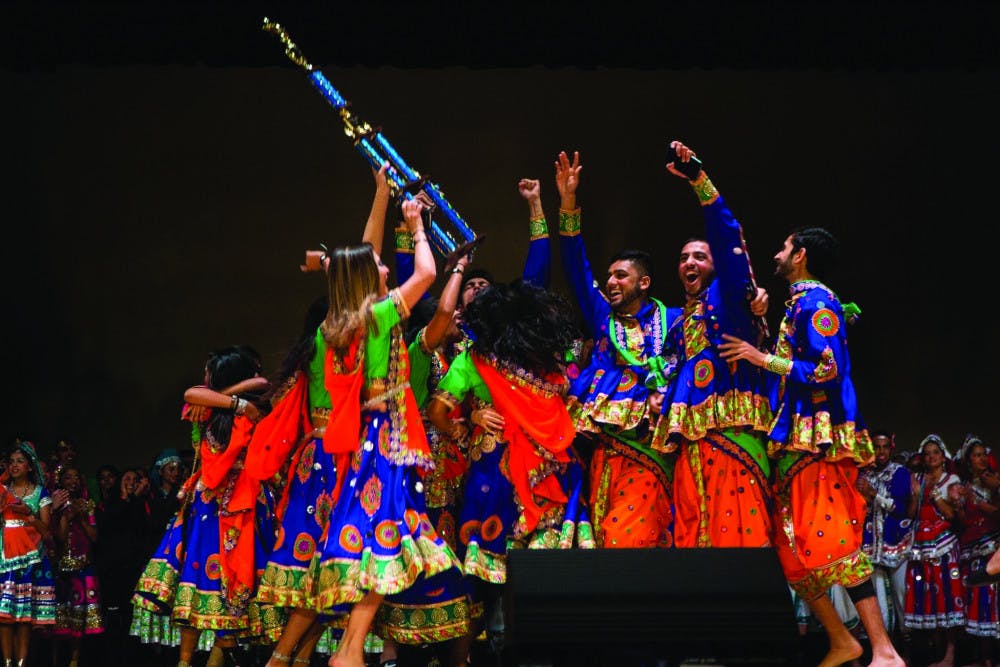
(376, 486)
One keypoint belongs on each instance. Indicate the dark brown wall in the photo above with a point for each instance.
(154, 212)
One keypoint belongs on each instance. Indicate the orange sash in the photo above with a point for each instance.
(531, 416)
(343, 429)
(236, 518)
(280, 431)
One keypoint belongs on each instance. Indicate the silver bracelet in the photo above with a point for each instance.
(241, 406)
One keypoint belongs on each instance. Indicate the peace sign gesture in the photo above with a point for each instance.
(567, 179)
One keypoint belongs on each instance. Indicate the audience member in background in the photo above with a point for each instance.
(978, 538)
(108, 484)
(164, 483)
(887, 489)
(121, 555)
(78, 597)
(27, 593)
(935, 597)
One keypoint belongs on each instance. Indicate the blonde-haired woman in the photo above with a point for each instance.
(378, 540)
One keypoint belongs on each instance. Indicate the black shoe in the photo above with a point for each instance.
(981, 577)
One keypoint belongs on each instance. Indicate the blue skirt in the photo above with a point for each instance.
(304, 518)
(489, 516)
(184, 577)
(380, 539)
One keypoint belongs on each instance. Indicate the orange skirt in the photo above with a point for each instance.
(721, 496)
(631, 505)
(820, 516)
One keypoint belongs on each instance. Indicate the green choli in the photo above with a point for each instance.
(462, 377)
(386, 315)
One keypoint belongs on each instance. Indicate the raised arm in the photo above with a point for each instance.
(574, 255)
(538, 264)
(424, 270)
(436, 329)
(375, 226)
(725, 239)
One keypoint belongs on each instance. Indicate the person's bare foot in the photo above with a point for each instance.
(846, 651)
(344, 661)
(887, 661)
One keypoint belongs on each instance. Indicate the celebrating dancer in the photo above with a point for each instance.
(610, 400)
(935, 599)
(204, 571)
(818, 441)
(78, 593)
(524, 483)
(380, 540)
(717, 411)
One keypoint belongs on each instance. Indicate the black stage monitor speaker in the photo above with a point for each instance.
(728, 605)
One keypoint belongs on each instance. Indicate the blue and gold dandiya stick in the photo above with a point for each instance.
(404, 181)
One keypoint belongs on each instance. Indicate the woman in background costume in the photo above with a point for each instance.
(27, 589)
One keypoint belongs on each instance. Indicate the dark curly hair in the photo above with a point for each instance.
(519, 323)
(226, 367)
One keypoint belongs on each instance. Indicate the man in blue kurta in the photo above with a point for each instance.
(610, 399)
(716, 414)
(817, 441)
(887, 488)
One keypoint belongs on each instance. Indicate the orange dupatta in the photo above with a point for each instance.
(276, 434)
(531, 415)
(236, 518)
(344, 426)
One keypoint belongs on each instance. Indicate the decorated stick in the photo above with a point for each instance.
(763, 331)
(404, 181)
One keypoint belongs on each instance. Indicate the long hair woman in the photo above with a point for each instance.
(204, 573)
(27, 587)
(379, 540)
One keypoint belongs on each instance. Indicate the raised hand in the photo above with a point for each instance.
(411, 215)
(681, 166)
(529, 188)
(381, 180)
(568, 178)
(462, 255)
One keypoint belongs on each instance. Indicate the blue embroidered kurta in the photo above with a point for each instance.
(609, 394)
(708, 394)
(888, 530)
(815, 404)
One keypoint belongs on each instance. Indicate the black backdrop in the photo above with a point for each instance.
(166, 166)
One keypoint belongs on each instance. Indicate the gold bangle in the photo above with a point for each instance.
(777, 364)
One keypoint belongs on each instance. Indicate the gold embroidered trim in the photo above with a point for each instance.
(569, 222)
(703, 188)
